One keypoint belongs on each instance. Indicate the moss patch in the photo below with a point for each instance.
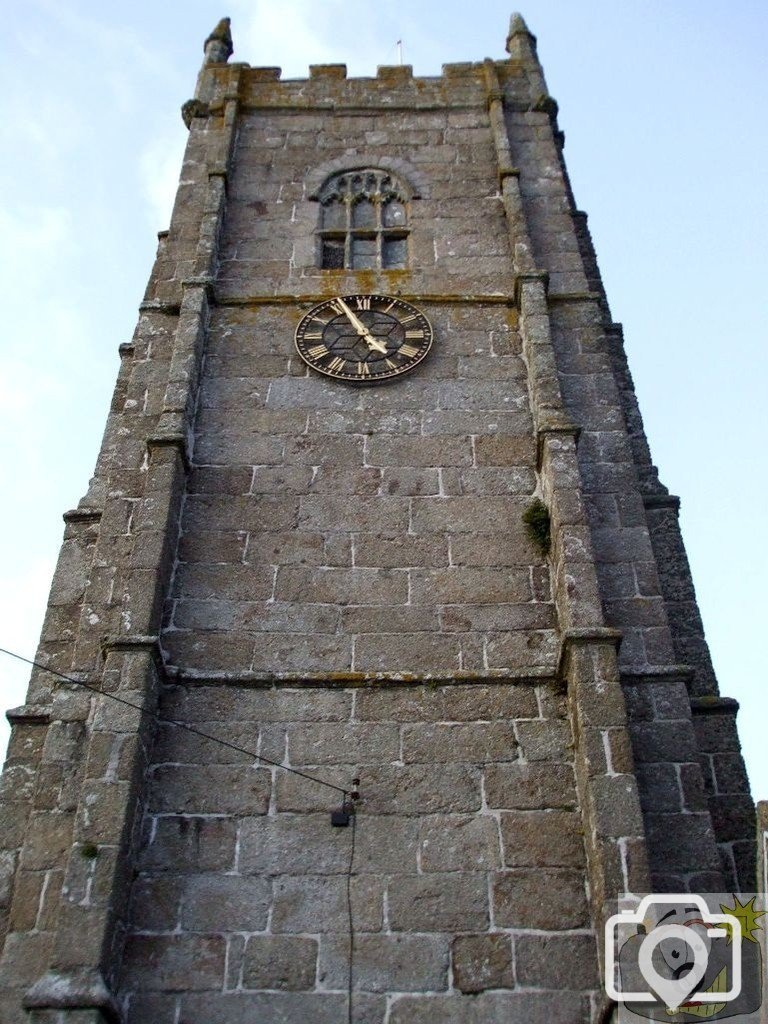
(536, 520)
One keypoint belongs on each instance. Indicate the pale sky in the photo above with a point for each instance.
(663, 106)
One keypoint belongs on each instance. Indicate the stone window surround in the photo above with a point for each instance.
(408, 183)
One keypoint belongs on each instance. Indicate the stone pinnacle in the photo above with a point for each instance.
(218, 46)
(517, 27)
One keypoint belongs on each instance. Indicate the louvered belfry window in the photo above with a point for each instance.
(363, 222)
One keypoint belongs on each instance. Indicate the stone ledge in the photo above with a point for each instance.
(82, 515)
(177, 441)
(508, 172)
(131, 645)
(309, 299)
(551, 429)
(83, 989)
(340, 680)
(583, 638)
(156, 306)
(574, 297)
(714, 705)
(662, 674)
(29, 714)
(662, 501)
(542, 276)
(205, 282)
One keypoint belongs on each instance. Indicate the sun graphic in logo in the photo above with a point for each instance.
(746, 915)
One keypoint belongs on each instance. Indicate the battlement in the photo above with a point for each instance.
(461, 84)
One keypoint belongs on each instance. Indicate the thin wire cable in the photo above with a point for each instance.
(179, 725)
(350, 966)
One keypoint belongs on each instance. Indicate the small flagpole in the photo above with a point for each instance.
(400, 51)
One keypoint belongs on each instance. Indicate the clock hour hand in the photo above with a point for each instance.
(360, 327)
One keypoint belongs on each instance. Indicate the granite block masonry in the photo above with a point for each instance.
(279, 570)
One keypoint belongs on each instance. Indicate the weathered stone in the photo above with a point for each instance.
(179, 843)
(474, 742)
(293, 843)
(159, 1009)
(481, 962)
(439, 902)
(491, 1007)
(247, 1007)
(174, 963)
(536, 898)
(401, 963)
(321, 743)
(458, 843)
(223, 903)
(557, 961)
(222, 789)
(544, 741)
(542, 839)
(284, 962)
(530, 786)
(314, 903)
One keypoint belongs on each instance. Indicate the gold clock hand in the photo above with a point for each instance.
(357, 324)
(360, 327)
(373, 342)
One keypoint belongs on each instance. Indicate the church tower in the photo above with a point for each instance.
(386, 673)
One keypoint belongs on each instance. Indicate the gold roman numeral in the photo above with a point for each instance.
(408, 351)
(389, 306)
(390, 364)
(337, 308)
(414, 334)
(318, 351)
(363, 302)
(312, 335)
(411, 316)
(364, 369)
(337, 365)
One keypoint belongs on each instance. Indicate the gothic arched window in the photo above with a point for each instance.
(363, 221)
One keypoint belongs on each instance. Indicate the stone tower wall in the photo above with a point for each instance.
(337, 580)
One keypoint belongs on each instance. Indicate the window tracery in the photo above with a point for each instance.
(363, 221)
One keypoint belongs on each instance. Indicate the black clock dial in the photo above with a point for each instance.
(365, 339)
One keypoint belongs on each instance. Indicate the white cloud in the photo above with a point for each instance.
(297, 33)
(21, 618)
(159, 168)
(37, 231)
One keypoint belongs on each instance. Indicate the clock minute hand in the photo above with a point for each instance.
(360, 327)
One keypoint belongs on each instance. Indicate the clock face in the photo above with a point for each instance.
(365, 339)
